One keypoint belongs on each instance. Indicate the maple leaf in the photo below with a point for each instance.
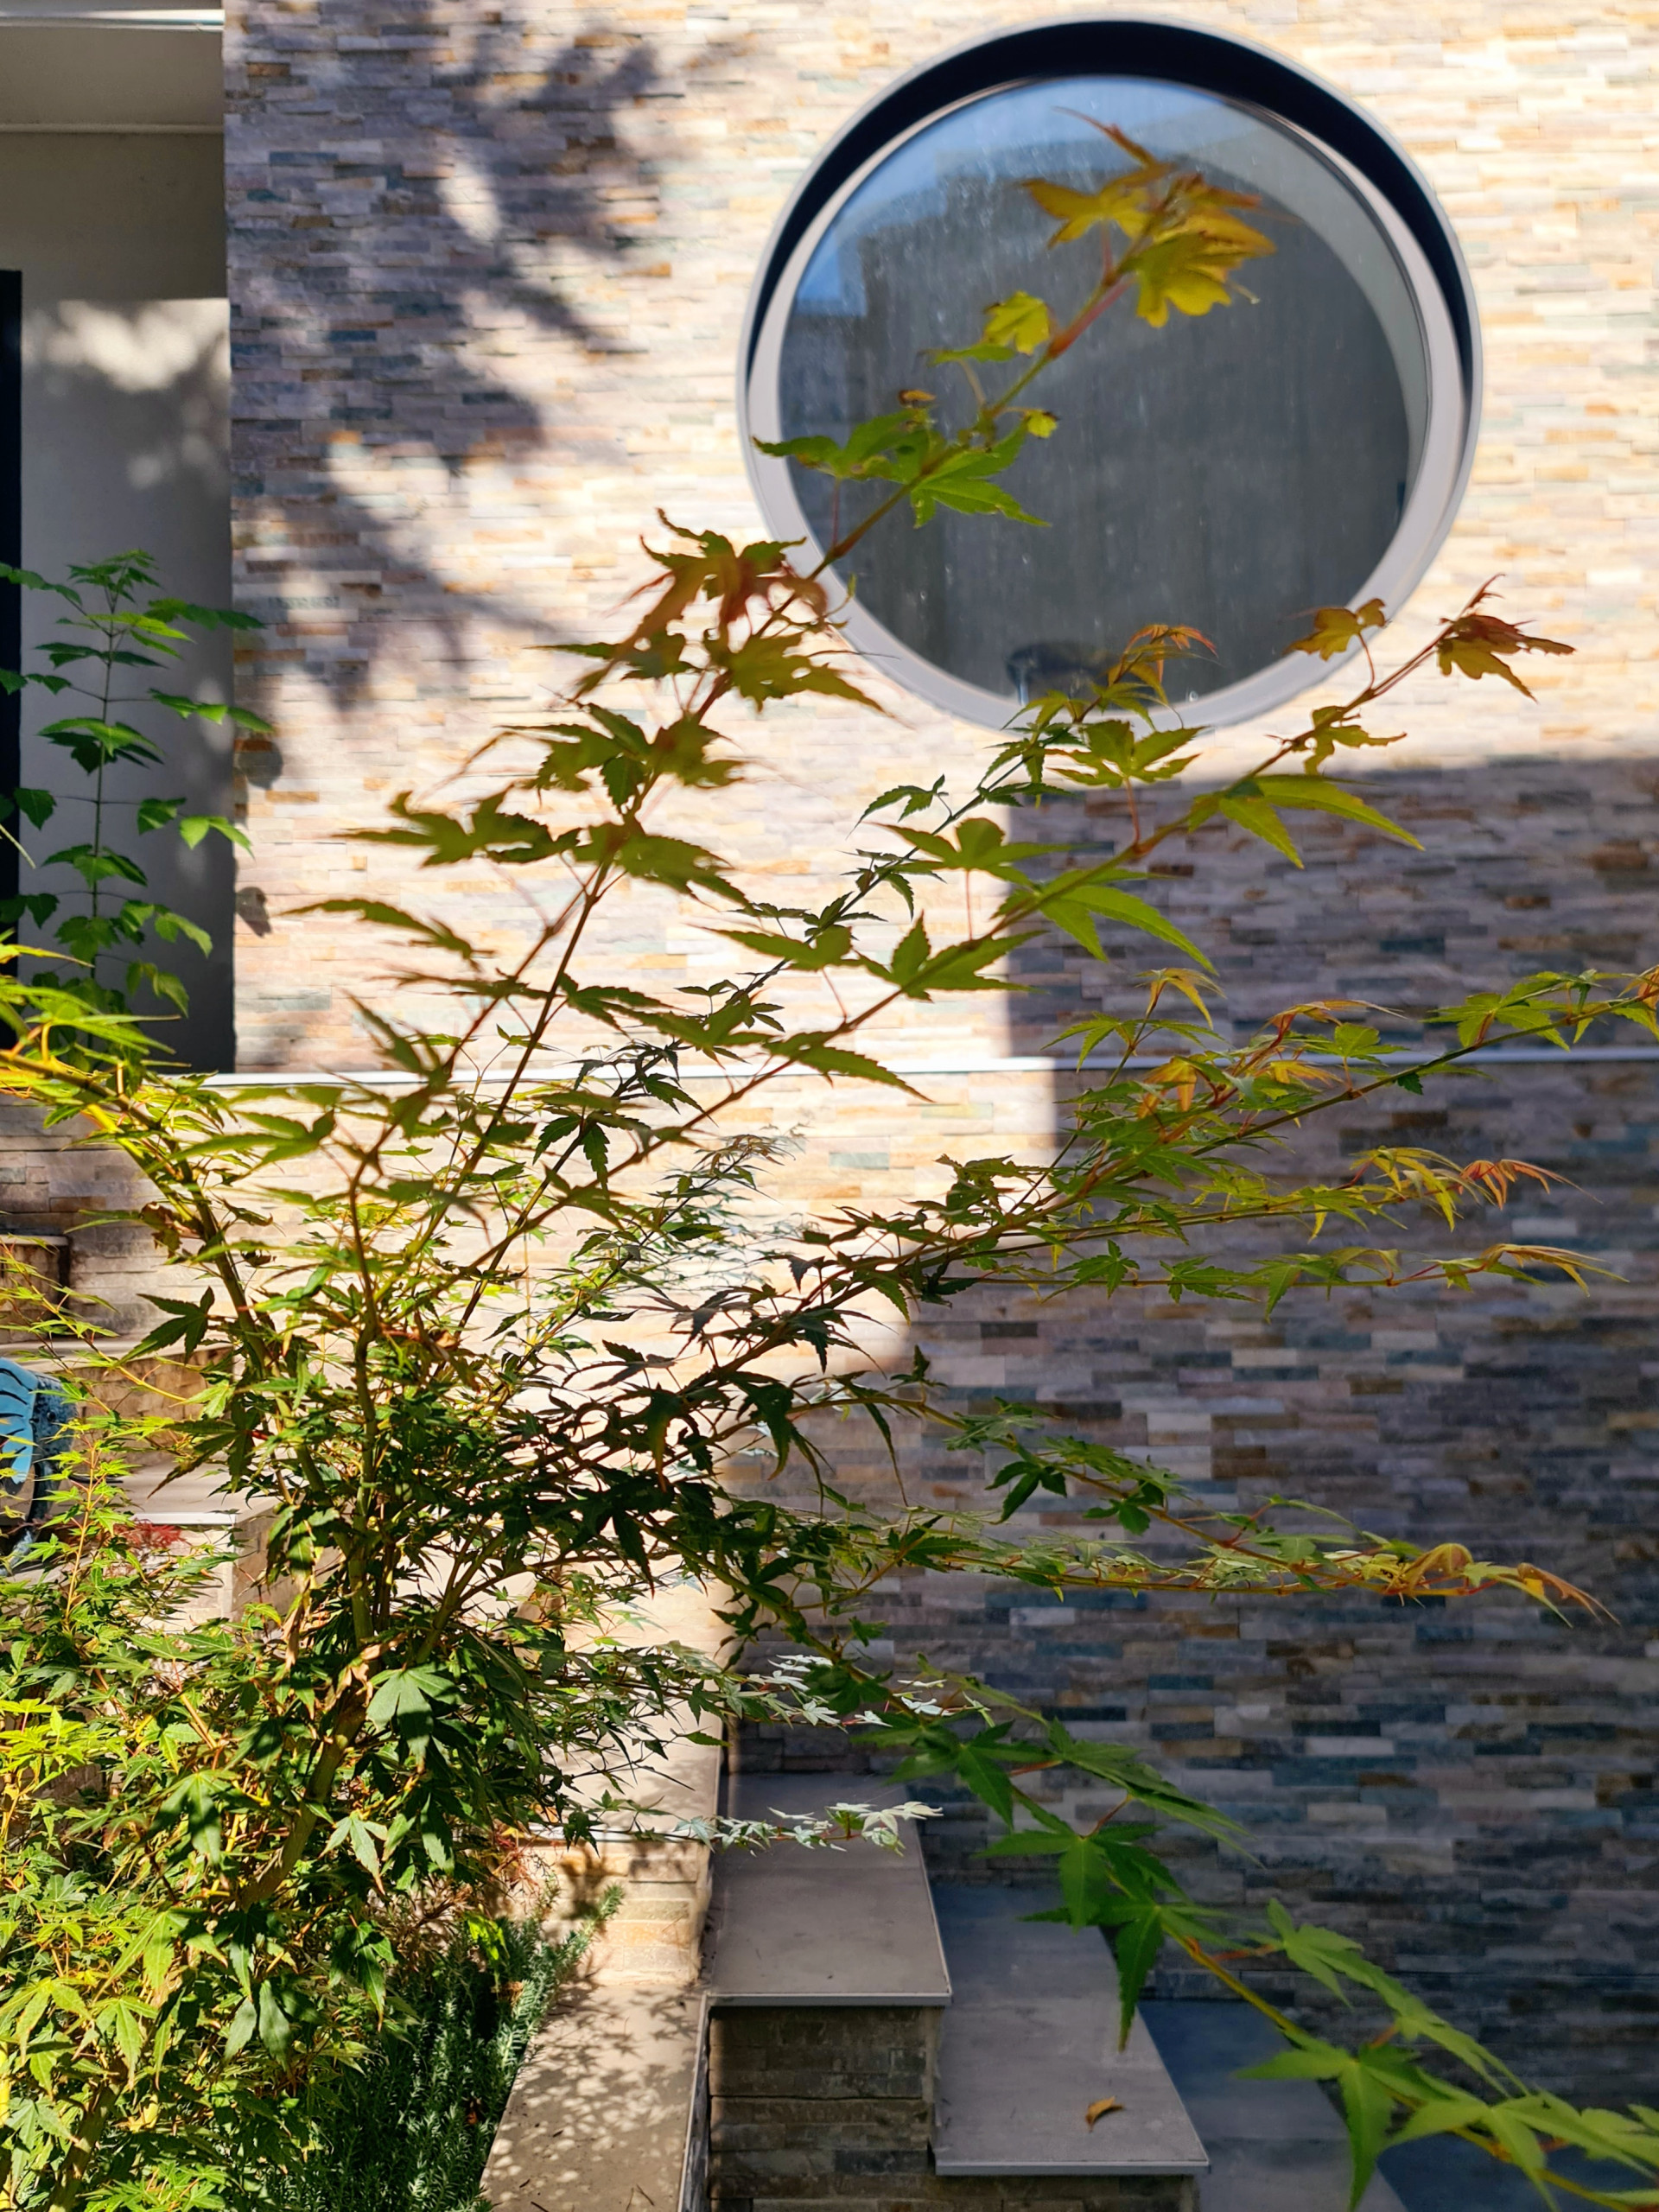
(1478, 644)
(1336, 629)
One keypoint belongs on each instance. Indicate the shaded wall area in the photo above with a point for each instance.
(1468, 1789)
(120, 240)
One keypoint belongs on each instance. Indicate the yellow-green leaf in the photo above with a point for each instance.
(1314, 794)
(1020, 321)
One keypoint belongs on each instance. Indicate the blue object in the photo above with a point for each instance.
(34, 1414)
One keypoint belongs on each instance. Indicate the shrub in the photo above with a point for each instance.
(411, 2130)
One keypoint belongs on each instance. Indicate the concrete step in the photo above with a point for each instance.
(851, 1925)
(1030, 2042)
(853, 2069)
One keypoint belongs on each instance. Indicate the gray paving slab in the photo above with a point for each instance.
(1275, 2146)
(853, 1925)
(1030, 2042)
(1442, 2175)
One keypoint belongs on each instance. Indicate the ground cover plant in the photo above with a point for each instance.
(413, 2130)
(482, 1338)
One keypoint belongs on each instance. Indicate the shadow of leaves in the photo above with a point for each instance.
(401, 198)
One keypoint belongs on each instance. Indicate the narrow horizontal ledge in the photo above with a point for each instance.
(108, 130)
(950, 1063)
(849, 1925)
(1029, 2047)
(39, 15)
(608, 2112)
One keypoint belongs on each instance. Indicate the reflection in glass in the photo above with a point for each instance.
(1232, 472)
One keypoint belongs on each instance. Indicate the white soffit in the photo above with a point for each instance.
(141, 12)
(112, 67)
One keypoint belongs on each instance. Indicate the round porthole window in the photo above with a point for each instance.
(1231, 471)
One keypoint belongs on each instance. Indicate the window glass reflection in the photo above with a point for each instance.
(1232, 471)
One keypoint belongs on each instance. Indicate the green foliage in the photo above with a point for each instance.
(1110, 1878)
(111, 633)
(114, 1851)
(1183, 241)
(193, 1959)
(483, 1337)
(1185, 238)
(410, 2131)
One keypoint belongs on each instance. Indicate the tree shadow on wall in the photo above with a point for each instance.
(414, 223)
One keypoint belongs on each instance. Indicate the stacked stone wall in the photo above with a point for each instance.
(487, 273)
(830, 2110)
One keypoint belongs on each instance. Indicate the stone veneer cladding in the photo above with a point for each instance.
(487, 269)
(830, 2109)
